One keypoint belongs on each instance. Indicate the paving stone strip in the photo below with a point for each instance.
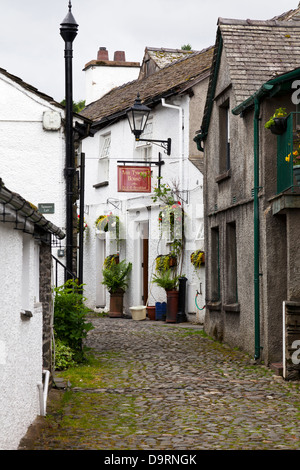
(169, 387)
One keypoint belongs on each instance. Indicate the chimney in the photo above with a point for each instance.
(119, 56)
(102, 54)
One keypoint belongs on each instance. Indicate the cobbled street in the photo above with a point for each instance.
(169, 387)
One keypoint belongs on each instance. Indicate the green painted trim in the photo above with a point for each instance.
(210, 94)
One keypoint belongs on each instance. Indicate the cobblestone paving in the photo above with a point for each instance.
(168, 387)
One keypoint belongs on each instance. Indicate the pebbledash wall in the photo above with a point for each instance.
(21, 340)
(32, 156)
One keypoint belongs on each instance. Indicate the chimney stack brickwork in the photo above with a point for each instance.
(119, 56)
(102, 54)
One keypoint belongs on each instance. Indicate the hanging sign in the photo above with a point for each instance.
(134, 179)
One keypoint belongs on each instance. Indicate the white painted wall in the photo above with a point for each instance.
(32, 159)
(100, 79)
(20, 341)
(132, 208)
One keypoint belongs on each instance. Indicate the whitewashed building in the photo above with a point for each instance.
(32, 152)
(175, 90)
(26, 316)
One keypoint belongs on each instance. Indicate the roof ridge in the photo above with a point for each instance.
(248, 22)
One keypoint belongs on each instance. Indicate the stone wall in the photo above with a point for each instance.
(46, 298)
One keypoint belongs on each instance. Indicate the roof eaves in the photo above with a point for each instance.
(28, 211)
(214, 72)
(270, 88)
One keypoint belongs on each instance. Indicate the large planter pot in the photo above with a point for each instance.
(151, 312)
(296, 170)
(116, 304)
(279, 127)
(172, 306)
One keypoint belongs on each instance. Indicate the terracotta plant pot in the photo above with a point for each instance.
(172, 306)
(116, 304)
(151, 312)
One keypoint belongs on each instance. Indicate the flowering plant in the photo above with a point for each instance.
(296, 157)
(279, 113)
(197, 258)
(107, 223)
(85, 225)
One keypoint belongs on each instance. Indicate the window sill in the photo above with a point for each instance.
(235, 308)
(214, 305)
(224, 176)
(100, 185)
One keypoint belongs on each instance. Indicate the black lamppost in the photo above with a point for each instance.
(137, 117)
(68, 32)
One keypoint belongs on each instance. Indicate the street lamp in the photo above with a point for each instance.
(137, 117)
(68, 32)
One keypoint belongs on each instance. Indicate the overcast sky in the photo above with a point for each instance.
(32, 48)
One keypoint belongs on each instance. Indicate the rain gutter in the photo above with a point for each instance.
(268, 89)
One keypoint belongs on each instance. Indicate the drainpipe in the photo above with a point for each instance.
(180, 110)
(43, 393)
(256, 230)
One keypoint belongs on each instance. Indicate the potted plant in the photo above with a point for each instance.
(168, 281)
(115, 278)
(278, 122)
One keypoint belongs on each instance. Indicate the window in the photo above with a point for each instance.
(224, 138)
(215, 265)
(231, 264)
(145, 148)
(103, 164)
(105, 145)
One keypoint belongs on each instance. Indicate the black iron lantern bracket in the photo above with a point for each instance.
(165, 144)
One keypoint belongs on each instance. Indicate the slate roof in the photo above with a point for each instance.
(162, 56)
(29, 87)
(258, 51)
(174, 78)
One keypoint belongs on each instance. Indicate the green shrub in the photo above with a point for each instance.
(63, 356)
(70, 325)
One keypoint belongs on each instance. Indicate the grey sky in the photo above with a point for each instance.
(32, 49)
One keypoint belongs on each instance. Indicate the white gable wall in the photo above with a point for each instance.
(31, 158)
(20, 340)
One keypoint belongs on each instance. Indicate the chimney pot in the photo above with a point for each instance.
(119, 56)
(102, 54)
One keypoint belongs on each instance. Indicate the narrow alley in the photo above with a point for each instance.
(162, 386)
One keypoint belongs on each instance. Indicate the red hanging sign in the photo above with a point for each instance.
(134, 179)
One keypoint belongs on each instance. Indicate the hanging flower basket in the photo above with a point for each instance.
(171, 220)
(279, 126)
(165, 262)
(278, 122)
(108, 223)
(197, 258)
